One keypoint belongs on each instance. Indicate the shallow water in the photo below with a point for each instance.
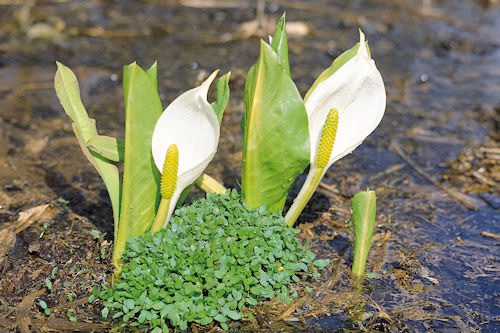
(440, 63)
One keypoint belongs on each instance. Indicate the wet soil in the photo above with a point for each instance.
(433, 161)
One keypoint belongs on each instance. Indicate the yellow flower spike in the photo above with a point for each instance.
(318, 169)
(167, 186)
(170, 169)
(328, 135)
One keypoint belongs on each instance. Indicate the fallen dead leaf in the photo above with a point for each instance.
(23, 320)
(26, 218)
(32, 215)
(7, 241)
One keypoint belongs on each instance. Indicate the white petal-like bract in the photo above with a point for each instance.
(357, 91)
(191, 123)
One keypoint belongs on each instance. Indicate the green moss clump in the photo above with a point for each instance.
(216, 258)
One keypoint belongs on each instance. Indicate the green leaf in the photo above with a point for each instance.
(336, 64)
(107, 147)
(234, 315)
(220, 318)
(206, 320)
(117, 315)
(53, 272)
(68, 92)
(42, 304)
(141, 178)
(152, 72)
(280, 44)
(208, 282)
(222, 96)
(364, 207)
(276, 135)
(322, 263)
(71, 317)
(105, 312)
(48, 283)
(129, 304)
(251, 301)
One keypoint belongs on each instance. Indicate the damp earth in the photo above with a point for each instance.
(433, 161)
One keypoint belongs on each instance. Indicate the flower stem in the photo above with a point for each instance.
(119, 246)
(209, 184)
(161, 215)
(305, 194)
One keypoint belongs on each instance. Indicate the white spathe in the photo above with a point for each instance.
(191, 123)
(357, 91)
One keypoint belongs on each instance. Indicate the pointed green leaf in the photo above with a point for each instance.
(364, 208)
(68, 92)
(248, 96)
(153, 74)
(141, 178)
(222, 96)
(276, 136)
(107, 147)
(280, 44)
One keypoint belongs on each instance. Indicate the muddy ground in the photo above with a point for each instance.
(433, 161)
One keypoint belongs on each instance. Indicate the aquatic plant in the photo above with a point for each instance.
(221, 254)
(364, 209)
(282, 133)
(344, 105)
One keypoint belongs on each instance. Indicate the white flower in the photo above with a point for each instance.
(344, 105)
(357, 91)
(190, 123)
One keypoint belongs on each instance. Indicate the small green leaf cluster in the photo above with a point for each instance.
(217, 258)
(44, 307)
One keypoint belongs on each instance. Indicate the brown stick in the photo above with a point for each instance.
(23, 321)
(488, 234)
(465, 200)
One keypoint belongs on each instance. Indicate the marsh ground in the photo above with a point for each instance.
(433, 161)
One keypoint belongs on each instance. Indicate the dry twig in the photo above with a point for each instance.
(467, 201)
(489, 235)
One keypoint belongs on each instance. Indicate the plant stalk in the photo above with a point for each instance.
(209, 185)
(120, 241)
(161, 215)
(312, 181)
